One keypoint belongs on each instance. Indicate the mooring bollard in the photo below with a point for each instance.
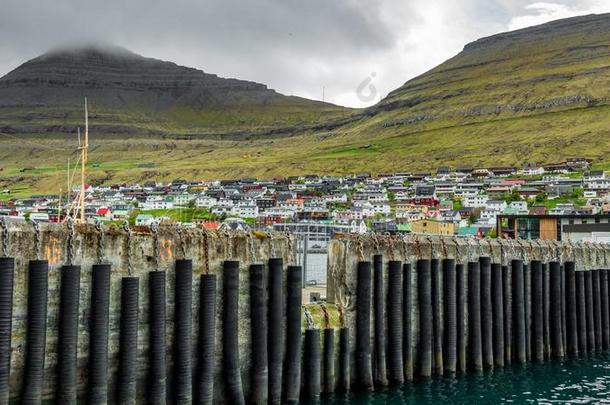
(98, 338)
(571, 310)
(460, 310)
(450, 327)
(363, 327)
(527, 309)
(258, 331)
(519, 311)
(157, 381)
(564, 335)
(546, 303)
(344, 372)
(407, 309)
(275, 328)
(474, 317)
(605, 303)
(292, 369)
(508, 314)
(424, 296)
(590, 314)
(128, 341)
(67, 339)
(328, 360)
(311, 364)
(555, 315)
(537, 312)
(497, 301)
(183, 332)
(379, 359)
(207, 335)
(38, 286)
(437, 320)
(581, 312)
(597, 310)
(230, 345)
(395, 319)
(486, 313)
(7, 271)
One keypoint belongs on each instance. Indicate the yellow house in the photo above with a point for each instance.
(433, 227)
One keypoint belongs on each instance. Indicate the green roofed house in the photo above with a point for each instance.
(470, 231)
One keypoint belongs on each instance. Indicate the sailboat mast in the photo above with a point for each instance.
(84, 150)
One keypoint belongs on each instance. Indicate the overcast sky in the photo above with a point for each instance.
(357, 50)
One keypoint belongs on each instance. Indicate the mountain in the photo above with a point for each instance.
(540, 94)
(537, 94)
(130, 93)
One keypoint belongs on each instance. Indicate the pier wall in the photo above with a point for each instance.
(468, 305)
(130, 253)
(186, 315)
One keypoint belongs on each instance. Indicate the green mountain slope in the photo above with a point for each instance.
(538, 94)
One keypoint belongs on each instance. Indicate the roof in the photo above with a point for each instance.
(468, 231)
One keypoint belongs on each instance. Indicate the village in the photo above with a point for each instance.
(463, 201)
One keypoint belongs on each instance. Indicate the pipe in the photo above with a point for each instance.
(519, 310)
(234, 393)
(7, 274)
(597, 310)
(157, 381)
(571, 322)
(497, 295)
(363, 326)
(474, 316)
(563, 309)
(546, 303)
(450, 329)
(605, 309)
(344, 373)
(329, 361)
(589, 307)
(207, 336)
(259, 374)
(527, 295)
(486, 313)
(183, 332)
(437, 320)
(508, 314)
(424, 287)
(460, 310)
(128, 341)
(311, 364)
(38, 286)
(67, 337)
(581, 312)
(555, 315)
(537, 312)
(98, 336)
(407, 310)
(292, 365)
(395, 327)
(379, 362)
(275, 326)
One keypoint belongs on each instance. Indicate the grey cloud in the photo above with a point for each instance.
(294, 46)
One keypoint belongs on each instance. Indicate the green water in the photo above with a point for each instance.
(585, 381)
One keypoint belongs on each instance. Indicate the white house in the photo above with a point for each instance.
(245, 209)
(205, 201)
(496, 205)
(475, 201)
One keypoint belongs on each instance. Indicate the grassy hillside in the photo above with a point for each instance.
(536, 95)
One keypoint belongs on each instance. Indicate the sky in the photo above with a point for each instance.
(348, 52)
